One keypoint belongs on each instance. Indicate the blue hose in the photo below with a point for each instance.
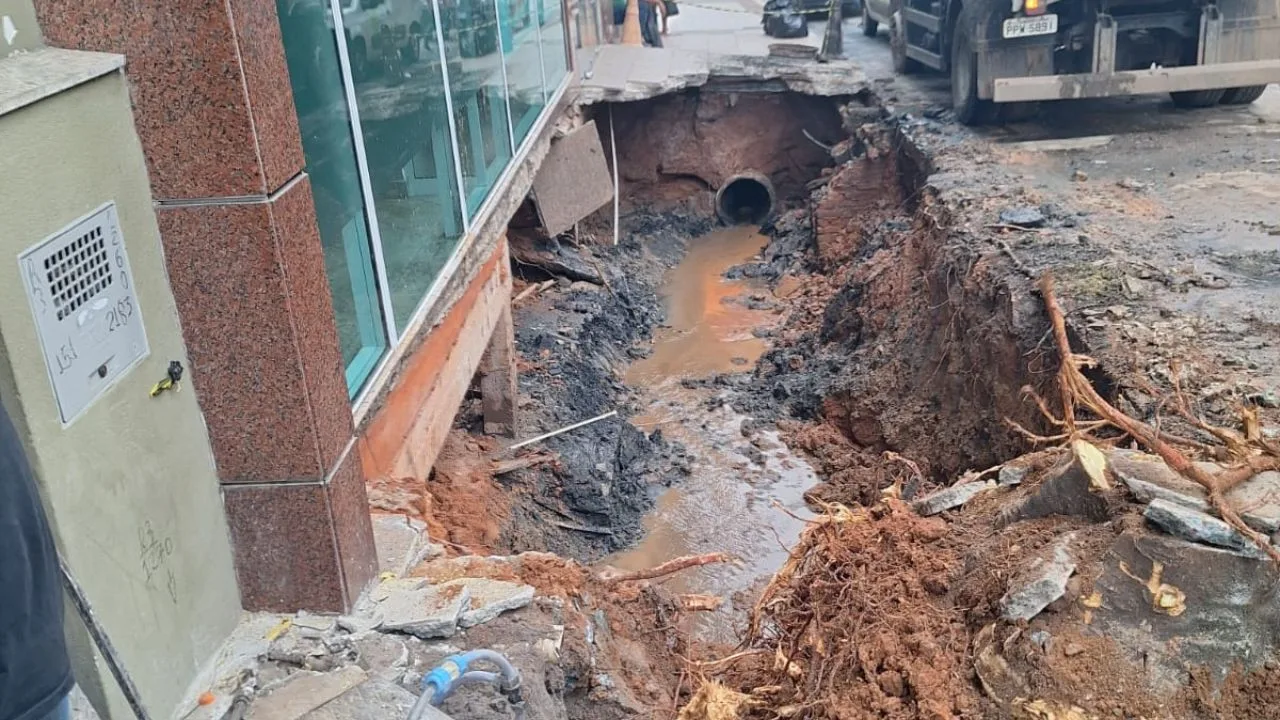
(455, 671)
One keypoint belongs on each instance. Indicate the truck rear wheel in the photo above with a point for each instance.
(1197, 98)
(969, 108)
(1243, 95)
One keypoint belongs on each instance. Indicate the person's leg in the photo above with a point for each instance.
(663, 9)
(646, 14)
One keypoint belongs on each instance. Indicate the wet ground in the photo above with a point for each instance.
(744, 494)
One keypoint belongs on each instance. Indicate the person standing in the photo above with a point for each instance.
(649, 23)
(35, 671)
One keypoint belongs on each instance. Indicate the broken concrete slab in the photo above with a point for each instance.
(372, 699)
(1181, 521)
(621, 73)
(1072, 487)
(318, 623)
(1230, 617)
(426, 611)
(489, 598)
(1148, 477)
(402, 543)
(574, 180)
(1260, 494)
(1044, 582)
(304, 692)
(951, 497)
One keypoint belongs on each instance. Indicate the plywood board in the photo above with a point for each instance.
(574, 180)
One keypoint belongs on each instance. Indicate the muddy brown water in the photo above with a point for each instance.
(745, 495)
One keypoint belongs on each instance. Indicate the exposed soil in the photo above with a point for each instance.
(912, 347)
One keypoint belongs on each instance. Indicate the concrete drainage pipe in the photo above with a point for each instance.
(745, 199)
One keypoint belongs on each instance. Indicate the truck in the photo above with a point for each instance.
(1005, 56)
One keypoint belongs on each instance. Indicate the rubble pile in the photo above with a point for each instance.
(571, 635)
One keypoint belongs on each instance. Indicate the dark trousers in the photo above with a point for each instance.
(649, 24)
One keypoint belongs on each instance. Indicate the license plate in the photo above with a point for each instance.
(1030, 26)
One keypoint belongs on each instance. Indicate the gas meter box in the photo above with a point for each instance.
(81, 292)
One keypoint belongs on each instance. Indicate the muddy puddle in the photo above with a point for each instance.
(745, 493)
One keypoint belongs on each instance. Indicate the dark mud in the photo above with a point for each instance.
(574, 343)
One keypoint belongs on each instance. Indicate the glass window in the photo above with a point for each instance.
(554, 58)
(477, 86)
(311, 52)
(400, 93)
(522, 50)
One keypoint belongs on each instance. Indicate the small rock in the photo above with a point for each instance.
(1266, 399)
(489, 598)
(1027, 217)
(1072, 649)
(1043, 583)
(891, 683)
(1041, 639)
(1079, 175)
(1188, 524)
(1131, 184)
(426, 611)
(951, 497)
(1010, 476)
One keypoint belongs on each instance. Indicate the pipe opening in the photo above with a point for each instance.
(746, 199)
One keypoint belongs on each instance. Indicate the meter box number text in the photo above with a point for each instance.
(82, 295)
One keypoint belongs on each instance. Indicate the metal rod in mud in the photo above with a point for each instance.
(613, 146)
(562, 430)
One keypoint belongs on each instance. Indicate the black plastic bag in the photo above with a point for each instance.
(671, 8)
(783, 19)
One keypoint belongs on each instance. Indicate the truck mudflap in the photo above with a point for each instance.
(1137, 82)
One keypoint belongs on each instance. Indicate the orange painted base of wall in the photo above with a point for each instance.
(405, 434)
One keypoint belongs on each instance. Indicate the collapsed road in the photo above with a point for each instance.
(868, 462)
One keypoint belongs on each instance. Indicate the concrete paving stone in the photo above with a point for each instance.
(304, 692)
(490, 598)
(429, 611)
(1044, 582)
(358, 624)
(396, 537)
(1258, 500)
(390, 586)
(951, 497)
(1187, 524)
(320, 623)
(382, 655)
(373, 699)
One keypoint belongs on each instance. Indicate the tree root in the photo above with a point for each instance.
(1075, 389)
(667, 567)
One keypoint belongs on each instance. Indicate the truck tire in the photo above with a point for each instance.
(969, 108)
(1197, 98)
(1243, 95)
(869, 26)
(902, 64)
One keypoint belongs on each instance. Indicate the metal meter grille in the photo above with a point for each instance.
(81, 292)
(78, 272)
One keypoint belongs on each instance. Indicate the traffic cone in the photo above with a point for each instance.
(631, 24)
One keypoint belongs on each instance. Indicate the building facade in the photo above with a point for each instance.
(332, 180)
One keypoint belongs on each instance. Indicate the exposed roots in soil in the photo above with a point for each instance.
(851, 627)
(1253, 455)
